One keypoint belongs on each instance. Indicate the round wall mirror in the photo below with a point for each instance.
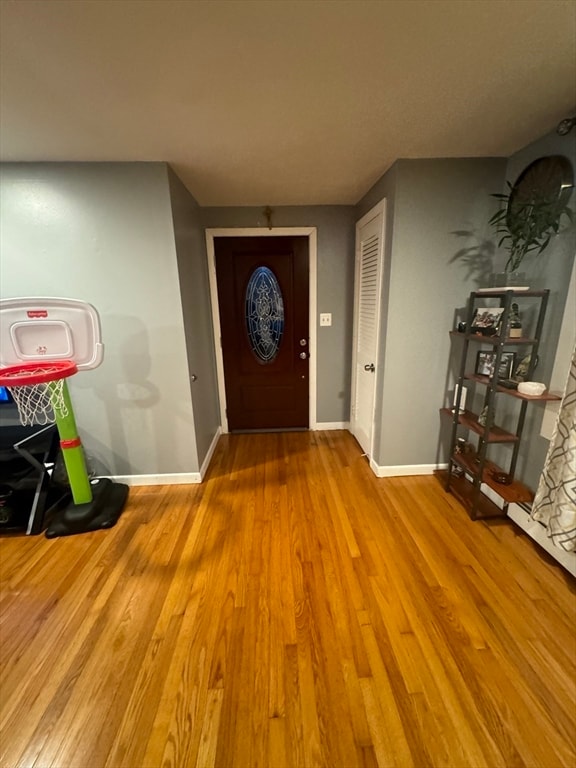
(541, 192)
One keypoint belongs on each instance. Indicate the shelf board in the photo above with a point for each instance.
(515, 492)
(498, 291)
(463, 490)
(470, 421)
(493, 339)
(546, 397)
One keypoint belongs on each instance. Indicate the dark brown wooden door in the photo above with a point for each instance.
(263, 303)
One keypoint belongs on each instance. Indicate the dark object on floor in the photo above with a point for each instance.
(103, 511)
(29, 493)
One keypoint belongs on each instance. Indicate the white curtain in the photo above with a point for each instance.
(555, 500)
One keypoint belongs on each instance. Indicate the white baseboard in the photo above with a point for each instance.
(209, 454)
(404, 470)
(321, 426)
(178, 478)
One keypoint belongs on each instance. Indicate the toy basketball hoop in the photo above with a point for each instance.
(38, 390)
(43, 341)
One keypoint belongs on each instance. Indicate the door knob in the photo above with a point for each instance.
(302, 342)
(303, 355)
(370, 367)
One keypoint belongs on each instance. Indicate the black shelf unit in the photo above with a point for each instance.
(467, 472)
(29, 494)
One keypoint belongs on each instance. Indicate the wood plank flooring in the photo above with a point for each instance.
(292, 611)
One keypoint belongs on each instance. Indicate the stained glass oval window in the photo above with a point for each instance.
(264, 314)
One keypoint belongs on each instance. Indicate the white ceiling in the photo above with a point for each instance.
(281, 103)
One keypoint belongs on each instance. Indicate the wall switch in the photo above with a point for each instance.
(326, 318)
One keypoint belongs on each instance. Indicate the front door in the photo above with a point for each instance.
(263, 305)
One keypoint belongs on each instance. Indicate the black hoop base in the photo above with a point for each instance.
(103, 511)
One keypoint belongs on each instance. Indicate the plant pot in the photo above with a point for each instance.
(507, 279)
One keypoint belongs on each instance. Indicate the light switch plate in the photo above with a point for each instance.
(326, 318)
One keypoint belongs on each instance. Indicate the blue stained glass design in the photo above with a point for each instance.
(264, 314)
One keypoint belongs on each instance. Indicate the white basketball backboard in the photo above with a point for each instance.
(34, 329)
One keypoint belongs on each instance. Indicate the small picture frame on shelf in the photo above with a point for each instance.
(523, 366)
(507, 362)
(486, 361)
(487, 321)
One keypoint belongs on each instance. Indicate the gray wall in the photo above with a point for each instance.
(335, 231)
(103, 233)
(552, 270)
(439, 210)
(195, 295)
(439, 247)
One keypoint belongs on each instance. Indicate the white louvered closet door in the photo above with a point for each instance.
(368, 281)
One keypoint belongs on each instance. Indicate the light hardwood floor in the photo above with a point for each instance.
(293, 610)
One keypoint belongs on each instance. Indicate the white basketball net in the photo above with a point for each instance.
(39, 403)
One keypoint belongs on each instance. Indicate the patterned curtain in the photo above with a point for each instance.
(555, 500)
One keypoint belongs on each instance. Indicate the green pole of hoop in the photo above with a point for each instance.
(72, 451)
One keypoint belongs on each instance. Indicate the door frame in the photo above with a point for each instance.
(311, 234)
(380, 207)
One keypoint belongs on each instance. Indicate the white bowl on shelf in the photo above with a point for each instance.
(532, 388)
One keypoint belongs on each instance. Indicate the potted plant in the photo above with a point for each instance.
(532, 211)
